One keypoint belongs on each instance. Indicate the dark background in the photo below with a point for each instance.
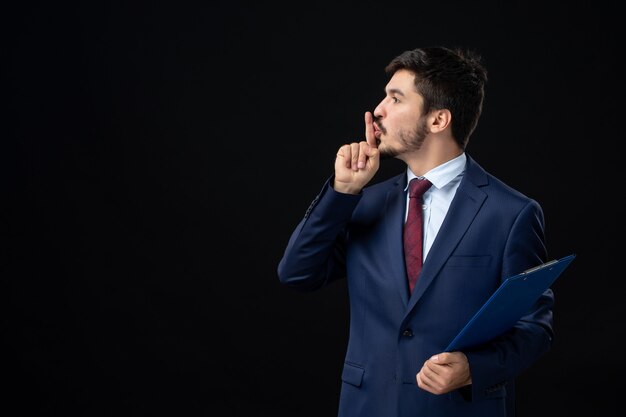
(157, 156)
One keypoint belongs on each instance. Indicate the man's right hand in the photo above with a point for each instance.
(357, 162)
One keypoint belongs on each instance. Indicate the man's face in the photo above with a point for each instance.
(399, 125)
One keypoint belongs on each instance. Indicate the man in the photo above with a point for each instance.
(477, 231)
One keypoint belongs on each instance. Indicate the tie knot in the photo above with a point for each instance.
(418, 186)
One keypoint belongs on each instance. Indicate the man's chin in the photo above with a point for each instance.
(386, 153)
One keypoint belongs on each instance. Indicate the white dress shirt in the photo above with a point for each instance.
(445, 179)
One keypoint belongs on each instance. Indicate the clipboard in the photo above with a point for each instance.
(508, 303)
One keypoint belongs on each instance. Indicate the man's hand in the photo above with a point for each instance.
(357, 162)
(444, 372)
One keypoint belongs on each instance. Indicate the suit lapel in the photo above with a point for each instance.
(394, 209)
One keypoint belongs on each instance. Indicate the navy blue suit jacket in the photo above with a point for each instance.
(490, 232)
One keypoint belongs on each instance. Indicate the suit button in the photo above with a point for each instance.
(407, 333)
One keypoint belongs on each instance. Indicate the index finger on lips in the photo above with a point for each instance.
(369, 130)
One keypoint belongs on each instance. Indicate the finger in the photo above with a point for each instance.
(354, 148)
(364, 150)
(372, 155)
(420, 381)
(425, 382)
(442, 358)
(344, 156)
(448, 358)
(432, 370)
(435, 372)
(369, 130)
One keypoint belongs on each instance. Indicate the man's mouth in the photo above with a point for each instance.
(378, 132)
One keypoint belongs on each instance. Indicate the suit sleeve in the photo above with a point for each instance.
(503, 359)
(315, 253)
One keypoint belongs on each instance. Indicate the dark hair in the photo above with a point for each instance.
(452, 79)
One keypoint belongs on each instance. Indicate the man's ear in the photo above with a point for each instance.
(439, 120)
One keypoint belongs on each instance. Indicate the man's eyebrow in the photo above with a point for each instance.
(395, 91)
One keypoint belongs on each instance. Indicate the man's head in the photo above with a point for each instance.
(431, 82)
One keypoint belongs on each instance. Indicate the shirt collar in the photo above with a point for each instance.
(441, 175)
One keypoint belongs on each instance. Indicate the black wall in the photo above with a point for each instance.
(157, 156)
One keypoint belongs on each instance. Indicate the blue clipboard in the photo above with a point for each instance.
(508, 304)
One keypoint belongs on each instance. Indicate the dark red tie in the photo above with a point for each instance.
(413, 230)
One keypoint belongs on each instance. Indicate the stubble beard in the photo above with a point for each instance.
(410, 141)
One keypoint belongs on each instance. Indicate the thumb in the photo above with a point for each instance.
(441, 358)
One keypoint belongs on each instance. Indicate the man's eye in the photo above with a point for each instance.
(395, 99)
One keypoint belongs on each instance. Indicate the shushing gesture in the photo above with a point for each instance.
(356, 163)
